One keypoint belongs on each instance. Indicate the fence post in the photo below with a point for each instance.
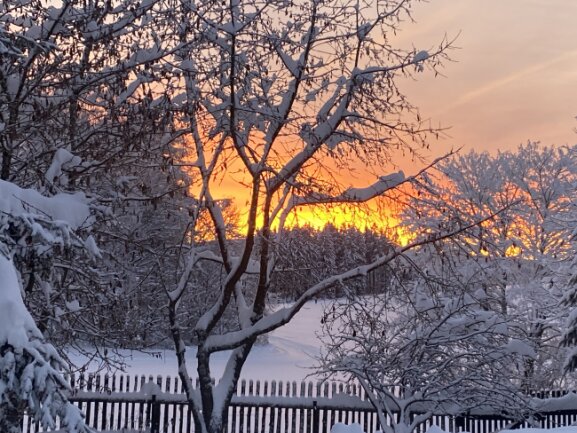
(154, 415)
(316, 417)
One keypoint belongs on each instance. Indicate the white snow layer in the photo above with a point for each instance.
(70, 208)
(570, 429)
(15, 321)
(62, 160)
(418, 60)
(344, 428)
(288, 354)
(382, 185)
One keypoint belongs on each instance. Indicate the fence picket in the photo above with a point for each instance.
(139, 382)
(287, 413)
(280, 414)
(257, 407)
(302, 412)
(175, 384)
(181, 410)
(89, 404)
(249, 414)
(113, 411)
(104, 412)
(273, 410)
(265, 411)
(258, 411)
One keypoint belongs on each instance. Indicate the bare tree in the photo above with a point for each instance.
(519, 253)
(424, 348)
(279, 98)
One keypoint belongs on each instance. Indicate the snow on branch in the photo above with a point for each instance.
(351, 195)
(358, 195)
(29, 367)
(384, 184)
(72, 209)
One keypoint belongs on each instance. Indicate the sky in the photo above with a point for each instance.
(512, 79)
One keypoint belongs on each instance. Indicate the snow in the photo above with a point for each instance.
(520, 347)
(382, 185)
(419, 58)
(292, 65)
(569, 429)
(566, 402)
(91, 247)
(12, 84)
(150, 388)
(62, 159)
(435, 429)
(130, 89)
(288, 354)
(15, 320)
(73, 305)
(344, 428)
(71, 208)
(337, 138)
(363, 31)
(37, 383)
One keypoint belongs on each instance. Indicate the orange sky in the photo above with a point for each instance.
(514, 77)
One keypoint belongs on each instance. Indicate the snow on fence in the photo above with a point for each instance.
(158, 406)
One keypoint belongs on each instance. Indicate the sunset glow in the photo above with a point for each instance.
(487, 101)
(368, 218)
(379, 215)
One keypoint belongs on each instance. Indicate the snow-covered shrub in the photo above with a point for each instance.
(418, 353)
(30, 368)
(516, 257)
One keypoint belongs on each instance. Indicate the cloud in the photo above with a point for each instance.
(501, 82)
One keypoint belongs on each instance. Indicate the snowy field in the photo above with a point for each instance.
(289, 353)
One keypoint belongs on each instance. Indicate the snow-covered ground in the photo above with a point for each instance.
(289, 353)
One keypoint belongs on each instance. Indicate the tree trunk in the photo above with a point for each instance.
(6, 161)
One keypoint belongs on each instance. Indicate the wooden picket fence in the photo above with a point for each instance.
(157, 405)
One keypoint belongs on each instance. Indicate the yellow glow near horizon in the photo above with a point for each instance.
(380, 215)
(369, 217)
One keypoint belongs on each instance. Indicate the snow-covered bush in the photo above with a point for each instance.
(517, 256)
(30, 369)
(419, 350)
